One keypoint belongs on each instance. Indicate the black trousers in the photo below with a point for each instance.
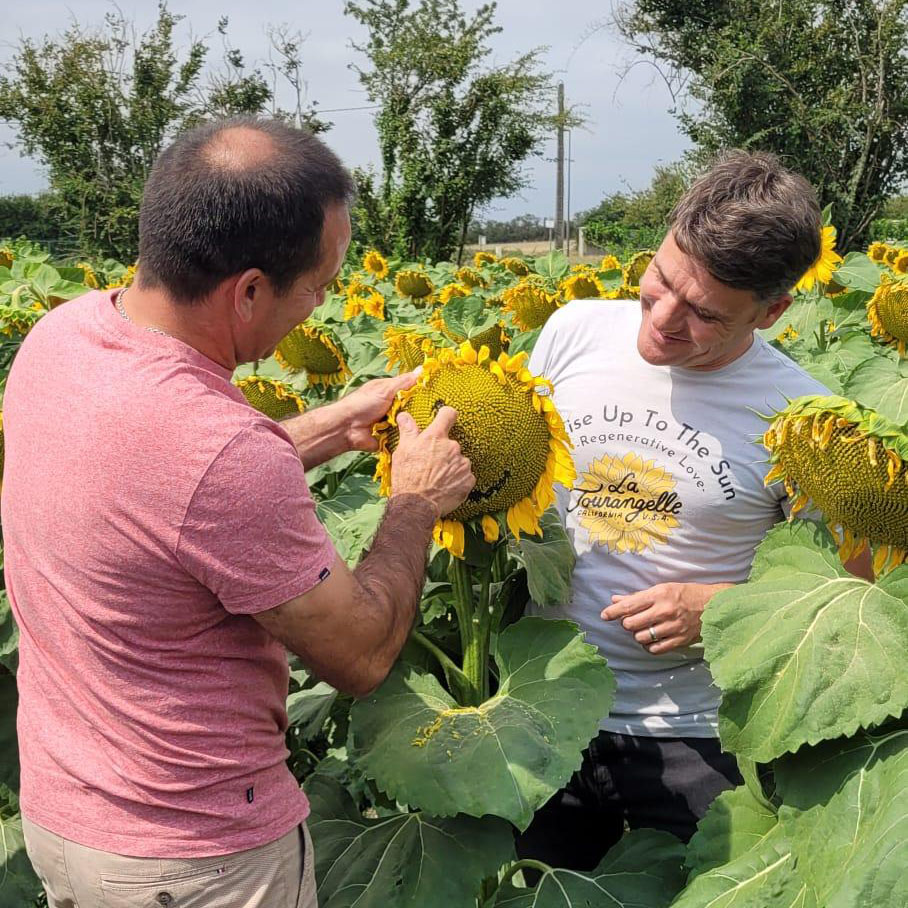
(662, 783)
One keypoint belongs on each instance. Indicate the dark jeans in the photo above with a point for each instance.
(663, 783)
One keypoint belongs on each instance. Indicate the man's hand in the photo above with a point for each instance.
(367, 405)
(668, 612)
(430, 464)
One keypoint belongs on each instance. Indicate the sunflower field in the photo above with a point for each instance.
(417, 789)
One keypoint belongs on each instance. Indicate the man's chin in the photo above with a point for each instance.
(656, 356)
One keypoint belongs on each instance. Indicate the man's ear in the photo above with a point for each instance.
(247, 292)
(774, 311)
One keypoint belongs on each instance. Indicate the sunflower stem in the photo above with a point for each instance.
(476, 655)
(821, 335)
(462, 588)
(524, 864)
(457, 680)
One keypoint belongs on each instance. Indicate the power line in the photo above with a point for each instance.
(321, 110)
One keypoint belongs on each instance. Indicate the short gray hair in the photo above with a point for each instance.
(752, 223)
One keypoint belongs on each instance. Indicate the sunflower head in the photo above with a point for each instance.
(515, 266)
(274, 398)
(408, 346)
(376, 264)
(582, 285)
(900, 265)
(483, 258)
(530, 304)
(89, 278)
(414, 284)
(356, 285)
(822, 269)
(15, 320)
(892, 253)
(311, 346)
(371, 302)
(470, 277)
(877, 252)
(451, 292)
(632, 272)
(887, 311)
(506, 425)
(6, 257)
(788, 333)
(846, 461)
(609, 263)
(129, 275)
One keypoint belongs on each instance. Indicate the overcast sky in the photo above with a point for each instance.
(629, 126)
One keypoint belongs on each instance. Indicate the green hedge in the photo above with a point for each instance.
(889, 230)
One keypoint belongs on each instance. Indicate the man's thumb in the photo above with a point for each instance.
(406, 425)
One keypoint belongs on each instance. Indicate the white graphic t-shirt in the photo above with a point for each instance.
(669, 489)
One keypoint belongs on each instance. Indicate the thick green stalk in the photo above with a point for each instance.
(462, 590)
(457, 680)
(822, 341)
(525, 864)
(476, 659)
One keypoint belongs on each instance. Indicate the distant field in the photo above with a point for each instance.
(535, 247)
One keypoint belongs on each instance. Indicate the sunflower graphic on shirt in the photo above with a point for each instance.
(626, 504)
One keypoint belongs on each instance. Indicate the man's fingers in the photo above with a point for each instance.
(406, 425)
(666, 645)
(443, 422)
(663, 631)
(400, 383)
(628, 605)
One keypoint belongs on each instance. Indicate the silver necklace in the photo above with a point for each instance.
(118, 302)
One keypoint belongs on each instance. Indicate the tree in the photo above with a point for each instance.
(628, 221)
(452, 135)
(96, 107)
(824, 83)
(29, 216)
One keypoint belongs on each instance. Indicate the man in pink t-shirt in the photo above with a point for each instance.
(162, 547)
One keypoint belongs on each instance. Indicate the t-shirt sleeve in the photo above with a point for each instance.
(250, 533)
(541, 359)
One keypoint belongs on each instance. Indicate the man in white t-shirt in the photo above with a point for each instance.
(661, 399)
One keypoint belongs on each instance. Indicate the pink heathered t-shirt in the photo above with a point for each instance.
(147, 512)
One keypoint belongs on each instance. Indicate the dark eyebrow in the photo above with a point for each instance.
(695, 306)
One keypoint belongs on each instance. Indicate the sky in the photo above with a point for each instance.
(629, 128)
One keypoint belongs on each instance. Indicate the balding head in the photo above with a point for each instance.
(232, 195)
(239, 148)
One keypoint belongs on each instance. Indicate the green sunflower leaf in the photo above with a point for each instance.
(802, 316)
(9, 635)
(763, 877)
(352, 515)
(735, 823)
(804, 651)
(425, 751)
(400, 860)
(467, 316)
(858, 272)
(19, 887)
(881, 384)
(549, 560)
(553, 266)
(643, 870)
(845, 811)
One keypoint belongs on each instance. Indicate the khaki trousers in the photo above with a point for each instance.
(270, 876)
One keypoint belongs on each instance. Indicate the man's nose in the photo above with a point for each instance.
(668, 314)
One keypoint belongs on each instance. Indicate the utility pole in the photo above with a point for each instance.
(559, 178)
